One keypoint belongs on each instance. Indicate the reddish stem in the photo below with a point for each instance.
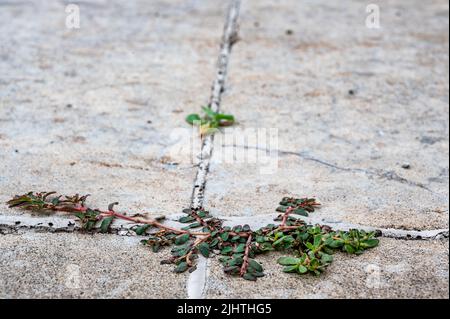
(197, 242)
(200, 220)
(153, 223)
(246, 255)
(103, 214)
(289, 210)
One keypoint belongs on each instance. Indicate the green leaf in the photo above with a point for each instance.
(202, 214)
(287, 261)
(156, 248)
(186, 219)
(182, 267)
(240, 248)
(266, 247)
(231, 269)
(237, 228)
(224, 119)
(326, 258)
(182, 239)
(302, 269)
(236, 261)
(90, 224)
(226, 250)
(194, 225)
(292, 268)
(349, 249)
(278, 242)
(210, 113)
(370, 243)
(282, 209)
(260, 239)
(317, 240)
(214, 233)
(141, 230)
(204, 249)
(249, 277)
(214, 243)
(225, 236)
(236, 238)
(300, 211)
(193, 118)
(255, 265)
(55, 201)
(336, 243)
(106, 224)
(180, 250)
(224, 259)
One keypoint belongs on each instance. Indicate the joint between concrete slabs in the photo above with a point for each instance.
(197, 280)
(11, 225)
(388, 175)
(229, 38)
(308, 158)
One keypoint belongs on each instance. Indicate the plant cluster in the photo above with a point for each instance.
(211, 121)
(311, 246)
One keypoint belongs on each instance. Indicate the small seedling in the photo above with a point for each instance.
(210, 122)
(311, 246)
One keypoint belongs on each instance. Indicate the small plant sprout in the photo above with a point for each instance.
(311, 246)
(210, 122)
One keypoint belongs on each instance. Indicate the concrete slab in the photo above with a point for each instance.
(234, 190)
(352, 106)
(93, 109)
(362, 119)
(395, 269)
(45, 265)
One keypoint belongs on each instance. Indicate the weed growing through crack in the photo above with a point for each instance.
(311, 246)
(211, 121)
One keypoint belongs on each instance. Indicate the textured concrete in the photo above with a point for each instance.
(42, 265)
(395, 269)
(352, 106)
(94, 110)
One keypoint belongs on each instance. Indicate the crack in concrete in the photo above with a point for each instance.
(197, 280)
(262, 220)
(388, 175)
(229, 38)
(51, 224)
(15, 224)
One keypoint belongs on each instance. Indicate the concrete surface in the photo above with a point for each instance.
(43, 265)
(395, 269)
(94, 110)
(300, 84)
